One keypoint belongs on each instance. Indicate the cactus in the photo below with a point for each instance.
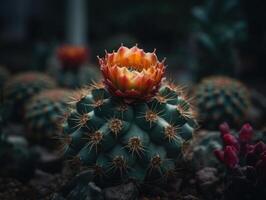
(20, 88)
(221, 99)
(71, 67)
(4, 74)
(132, 126)
(245, 163)
(202, 150)
(44, 112)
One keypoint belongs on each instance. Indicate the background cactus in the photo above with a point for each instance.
(20, 88)
(71, 68)
(118, 141)
(217, 30)
(44, 112)
(203, 147)
(221, 99)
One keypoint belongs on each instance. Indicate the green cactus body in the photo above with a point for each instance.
(20, 88)
(44, 112)
(120, 141)
(222, 99)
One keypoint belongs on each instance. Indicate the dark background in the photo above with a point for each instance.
(162, 24)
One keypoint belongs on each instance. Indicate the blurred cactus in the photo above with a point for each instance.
(218, 29)
(20, 88)
(71, 68)
(44, 112)
(126, 129)
(221, 99)
(245, 162)
(203, 149)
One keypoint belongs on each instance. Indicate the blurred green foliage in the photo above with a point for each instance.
(217, 30)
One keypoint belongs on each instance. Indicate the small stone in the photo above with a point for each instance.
(207, 179)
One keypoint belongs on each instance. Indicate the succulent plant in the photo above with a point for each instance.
(4, 74)
(203, 147)
(20, 88)
(71, 67)
(133, 125)
(245, 162)
(43, 113)
(221, 99)
(218, 29)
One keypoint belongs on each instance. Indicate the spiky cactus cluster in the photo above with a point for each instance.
(21, 87)
(118, 140)
(132, 126)
(245, 162)
(221, 99)
(44, 111)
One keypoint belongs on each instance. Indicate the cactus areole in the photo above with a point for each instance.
(132, 126)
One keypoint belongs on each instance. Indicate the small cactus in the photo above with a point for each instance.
(221, 99)
(44, 111)
(132, 126)
(245, 163)
(202, 150)
(71, 67)
(20, 88)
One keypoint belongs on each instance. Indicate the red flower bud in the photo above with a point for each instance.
(230, 157)
(246, 133)
(219, 155)
(230, 140)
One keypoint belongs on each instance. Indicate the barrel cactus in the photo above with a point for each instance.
(133, 125)
(44, 112)
(222, 99)
(20, 88)
(71, 67)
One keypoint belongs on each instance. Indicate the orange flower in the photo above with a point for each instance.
(132, 74)
(72, 56)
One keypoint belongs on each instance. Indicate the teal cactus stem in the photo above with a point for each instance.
(118, 141)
